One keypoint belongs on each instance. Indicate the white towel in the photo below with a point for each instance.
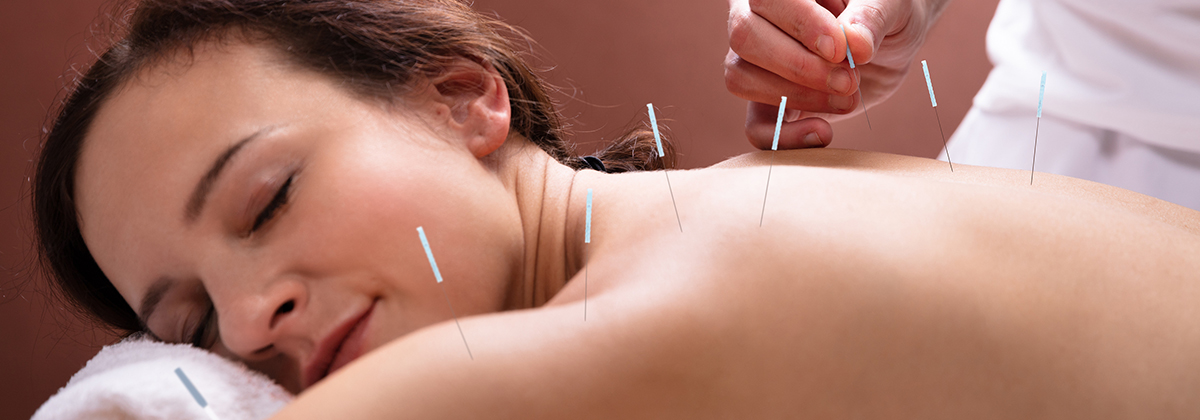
(135, 379)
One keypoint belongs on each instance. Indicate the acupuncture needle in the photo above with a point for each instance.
(658, 142)
(774, 148)
(1038, 129)
(852, 67)
(187, 383)
(587, 239)
(932, 98)
(438, 275)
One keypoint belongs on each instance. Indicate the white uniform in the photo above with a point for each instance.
(1122, 102)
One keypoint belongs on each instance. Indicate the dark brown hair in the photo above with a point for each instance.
(375, 48)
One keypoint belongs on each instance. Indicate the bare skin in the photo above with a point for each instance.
(899, 290)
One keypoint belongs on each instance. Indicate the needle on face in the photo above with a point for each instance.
(438, 274)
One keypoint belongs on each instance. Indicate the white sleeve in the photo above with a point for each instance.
(1130, 66)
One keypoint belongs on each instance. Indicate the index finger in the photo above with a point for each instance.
(807, 22)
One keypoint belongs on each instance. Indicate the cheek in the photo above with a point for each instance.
(364, 203)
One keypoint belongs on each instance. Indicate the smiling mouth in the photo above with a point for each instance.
(340, 347)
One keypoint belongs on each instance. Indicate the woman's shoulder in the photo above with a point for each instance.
(547, 362)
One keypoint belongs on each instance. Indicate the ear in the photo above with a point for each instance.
(472, 100)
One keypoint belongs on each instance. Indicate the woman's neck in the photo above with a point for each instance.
(551, 218)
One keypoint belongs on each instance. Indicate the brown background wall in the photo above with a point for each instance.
(611, 58)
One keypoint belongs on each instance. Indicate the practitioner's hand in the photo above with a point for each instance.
(795, 48)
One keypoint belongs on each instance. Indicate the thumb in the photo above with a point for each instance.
(867, 22)
(800, 131)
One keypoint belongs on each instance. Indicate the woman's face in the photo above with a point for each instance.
(270, 215)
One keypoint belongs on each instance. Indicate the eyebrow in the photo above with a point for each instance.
(153, 296)
(200, 193)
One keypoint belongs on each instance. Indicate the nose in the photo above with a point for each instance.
(257, 323)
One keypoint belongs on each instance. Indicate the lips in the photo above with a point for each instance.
(340, 347)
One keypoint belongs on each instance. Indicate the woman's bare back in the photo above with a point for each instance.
(877, 286)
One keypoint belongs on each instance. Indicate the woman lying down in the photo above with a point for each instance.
(249, 177)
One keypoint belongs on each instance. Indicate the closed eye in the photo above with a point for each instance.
(277, 202)
(203, 336)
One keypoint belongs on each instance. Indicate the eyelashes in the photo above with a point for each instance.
(202, 337)
(272, 208)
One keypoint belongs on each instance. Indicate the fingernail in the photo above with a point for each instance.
(812, 140)
(841, 103)
(825, 47)
(839, 80)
